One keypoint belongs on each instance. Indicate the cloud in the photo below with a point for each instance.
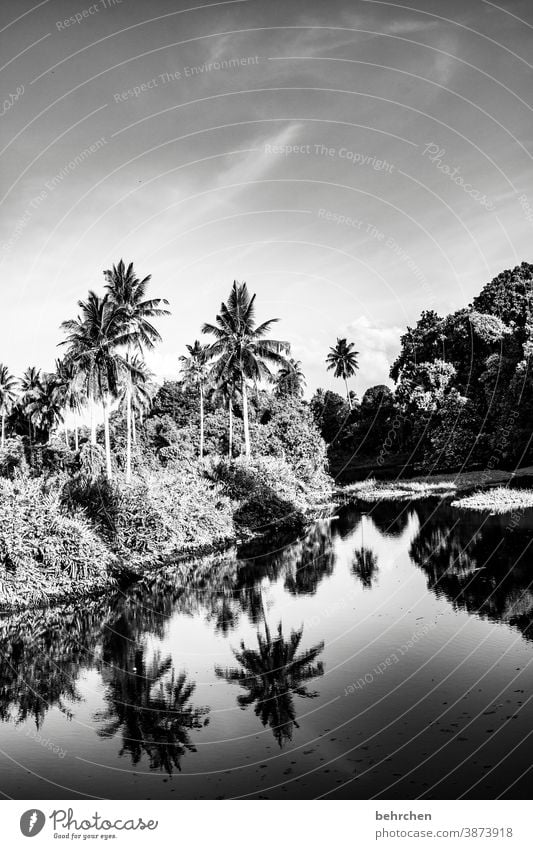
(378, 345)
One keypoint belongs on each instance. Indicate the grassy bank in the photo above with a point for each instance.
(498, 500)
(372, 490)
(487, 494)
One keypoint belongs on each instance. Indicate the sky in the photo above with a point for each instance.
(353, 162)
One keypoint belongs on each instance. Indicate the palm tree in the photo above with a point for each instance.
(93, 339)
(290, 379)
(8, 396)
(195, 373)
(241, 346)
(342, 359)
(69, 386)
(129, 293)
(44, 405)
(30, 383)
(142, 391)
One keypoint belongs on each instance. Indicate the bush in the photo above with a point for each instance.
(12, 458)
(291, 434)
(170, 512)
(45, 554)
(265, 489)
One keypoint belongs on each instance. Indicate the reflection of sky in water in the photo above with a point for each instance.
(196, 693)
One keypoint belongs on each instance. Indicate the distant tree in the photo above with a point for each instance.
(69, 389)
(331, 414)
(44, 406)
(30, 383)
(342, 360)
(8, 396)
(195, 372)
(290, 379)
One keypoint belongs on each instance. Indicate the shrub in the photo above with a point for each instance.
(170, 512)
(265, 489)
(291, 434)
(12, 458)
(43, 553)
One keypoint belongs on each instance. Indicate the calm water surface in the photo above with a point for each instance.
(387, 654)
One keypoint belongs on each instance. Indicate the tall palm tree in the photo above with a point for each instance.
(241, 347)
(93, 339)
(290, 379)
(141, 391)
(30, 383)
(342, 359)
(194, 372)
(68, 380)
(129, 293)
(8, 396)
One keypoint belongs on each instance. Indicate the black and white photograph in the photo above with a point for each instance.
(266, 402)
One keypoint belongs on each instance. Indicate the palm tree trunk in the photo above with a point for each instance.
(65, 430)
(348, 394)
(3, 429)
(107, 439)
(201, 421)
(245, 417)
(30, 436)
(133, 428)
(230, 429)
(76, 437)
(128, 431)
(93, 420)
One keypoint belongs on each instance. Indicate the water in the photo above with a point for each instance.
(387, 655)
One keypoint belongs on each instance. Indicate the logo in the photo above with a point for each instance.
(32, 822)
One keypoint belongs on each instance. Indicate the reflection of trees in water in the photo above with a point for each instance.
(148, 701)
(41, 654)
(390, 517)
(365, 566)
(303, 564)
(273, 674)
(149, 705)
(476, 564)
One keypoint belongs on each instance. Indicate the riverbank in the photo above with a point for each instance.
(502, 499)
(66, 538)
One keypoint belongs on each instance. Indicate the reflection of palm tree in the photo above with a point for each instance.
(149, 704)
(272, 674)
(365, 566)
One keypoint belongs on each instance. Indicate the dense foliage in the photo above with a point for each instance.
(45, 553)
(464, 390)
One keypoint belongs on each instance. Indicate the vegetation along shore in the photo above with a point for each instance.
(104, 473)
